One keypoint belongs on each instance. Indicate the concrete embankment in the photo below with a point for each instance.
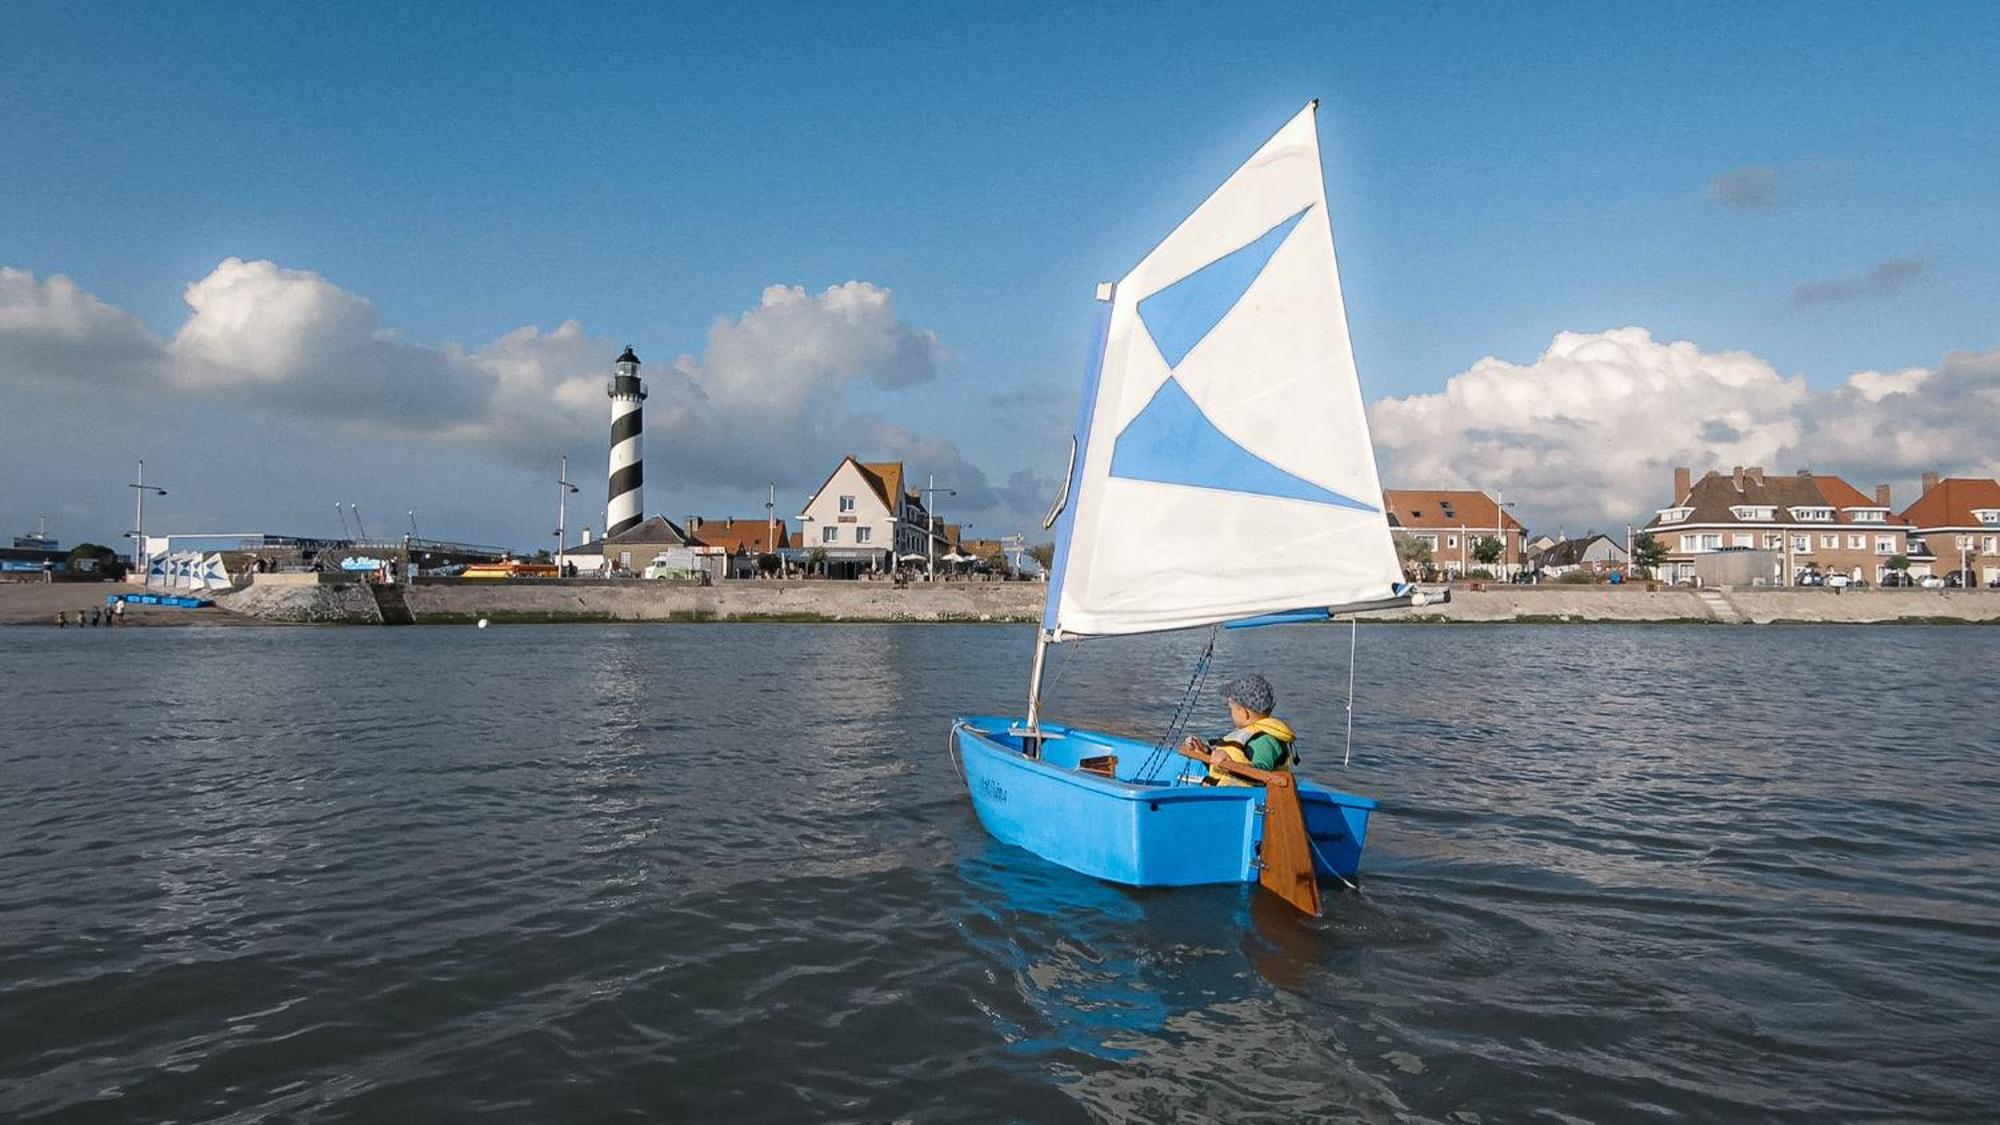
(304, 599)
(510, 602)
(1566, 604)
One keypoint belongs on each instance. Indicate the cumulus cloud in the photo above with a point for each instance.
(1882, 280)
(768, 397)
(1592, 429)
(54, 333)
(1751, 188)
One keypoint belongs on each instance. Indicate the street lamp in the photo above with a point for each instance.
(138, 533)
(563, 489)
(1500, 506)
(930, 513)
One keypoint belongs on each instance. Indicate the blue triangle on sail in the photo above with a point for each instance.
(1172, 442)
(1184, 313)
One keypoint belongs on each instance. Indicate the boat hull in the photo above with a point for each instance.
(1134, 831)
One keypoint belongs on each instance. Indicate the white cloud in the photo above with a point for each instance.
(1590, 432)
(54, 333)
(1750, 188)
(768, 398)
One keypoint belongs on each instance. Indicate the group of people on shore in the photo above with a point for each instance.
(93, 617)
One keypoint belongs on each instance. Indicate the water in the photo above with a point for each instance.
(729, 872)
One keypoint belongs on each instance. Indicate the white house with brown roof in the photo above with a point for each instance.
(864, 517)
(1959, 519)
(1808, 521)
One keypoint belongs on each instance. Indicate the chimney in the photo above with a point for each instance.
(1930, 482)
(1737, 476)
(1683, 483)
(1755, 473)
(1882, 495)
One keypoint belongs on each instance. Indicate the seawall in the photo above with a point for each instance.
(519, 602)
(302, 599)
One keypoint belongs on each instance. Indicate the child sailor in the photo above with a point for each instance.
(1257, 740)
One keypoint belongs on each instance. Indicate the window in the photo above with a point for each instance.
(1801, 542)
(1992, 545)
(1885, 544)
(861, 534)
(829, 534)
(1449, 541)
(1430, 541)
(1752, 512)
(1857, 542)
(1829, 542)
(1812, 514)
(1869, 515)
(1675, 515)
(1773, 541)
(1741, 539)
(1711, 542)
(1988, 515)
(1964, 542)
(847, 503)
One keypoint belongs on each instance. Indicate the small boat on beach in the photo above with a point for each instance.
(1221, 474)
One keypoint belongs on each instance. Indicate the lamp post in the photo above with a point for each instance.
(771, 528)
(138, 533)
(1500, 507)
(563, 489)
(930, 514)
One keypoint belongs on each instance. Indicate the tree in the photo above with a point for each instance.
(816, 561)
(1415, 554)
(1044, 553)
(1488, 550)
(96, 560)
(1897, 562)
(1648, 552)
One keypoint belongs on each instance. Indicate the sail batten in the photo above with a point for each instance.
(1223, 468)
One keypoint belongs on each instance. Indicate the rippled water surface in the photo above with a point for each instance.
(730, 872)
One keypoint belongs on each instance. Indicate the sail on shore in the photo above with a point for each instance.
(1224, 467)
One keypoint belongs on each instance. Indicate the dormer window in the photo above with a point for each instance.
(1812, 515)
(1751, 512)
(1987, 515)
(1869, 515)
(1675, 515)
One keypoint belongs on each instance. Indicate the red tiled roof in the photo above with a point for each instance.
(1428, 507)
(1952, 502)
(737, 535)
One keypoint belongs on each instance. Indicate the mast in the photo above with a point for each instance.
(1063, 520)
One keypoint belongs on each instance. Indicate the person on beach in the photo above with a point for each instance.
(93, 615)
(62, 619)
(118, 612)
(1257, 740)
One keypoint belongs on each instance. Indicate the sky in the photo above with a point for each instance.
(384, 255)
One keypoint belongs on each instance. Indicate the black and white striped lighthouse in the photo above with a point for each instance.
(627, 504)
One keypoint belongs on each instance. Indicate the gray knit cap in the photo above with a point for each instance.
(1252, 691)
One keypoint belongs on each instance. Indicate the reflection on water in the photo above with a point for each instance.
(730, 873)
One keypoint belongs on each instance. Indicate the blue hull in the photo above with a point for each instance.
(1140, 833)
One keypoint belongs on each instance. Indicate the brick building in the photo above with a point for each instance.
(1959, 518)
(1452, 522)
(1810, 521)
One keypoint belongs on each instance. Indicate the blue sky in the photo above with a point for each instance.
(1497, 175)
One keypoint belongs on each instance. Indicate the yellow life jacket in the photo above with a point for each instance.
(1236, 747)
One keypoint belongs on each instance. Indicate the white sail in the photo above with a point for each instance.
(1224, 467)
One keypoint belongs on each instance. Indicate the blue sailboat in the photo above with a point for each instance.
(1221, 473)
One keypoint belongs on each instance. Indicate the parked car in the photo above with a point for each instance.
(1809, 578)
(1839, 581)
(1931, 582)
(1893, 578)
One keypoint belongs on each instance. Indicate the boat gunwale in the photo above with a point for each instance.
(1132, 791)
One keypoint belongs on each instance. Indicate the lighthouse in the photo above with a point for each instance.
(627, 504)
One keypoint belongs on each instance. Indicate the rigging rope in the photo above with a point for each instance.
(1163, 751)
